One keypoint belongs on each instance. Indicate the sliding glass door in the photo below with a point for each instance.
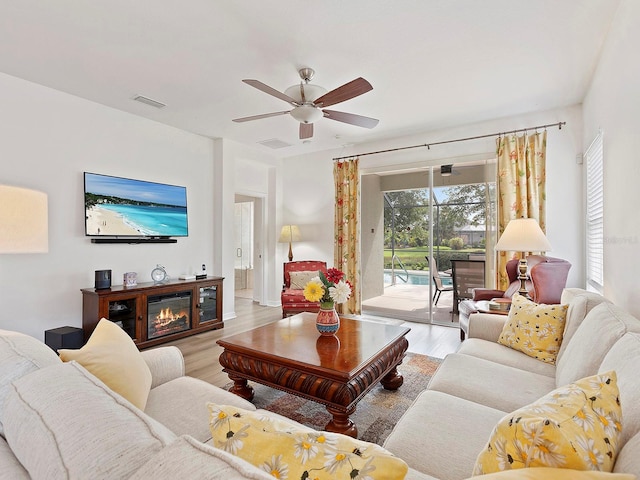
(430, 217)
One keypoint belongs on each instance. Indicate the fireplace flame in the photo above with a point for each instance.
(166, 316)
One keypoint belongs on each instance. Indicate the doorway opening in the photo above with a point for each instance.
(244, 240)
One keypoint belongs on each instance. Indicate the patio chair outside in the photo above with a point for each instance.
(467, 275)
(437, 279)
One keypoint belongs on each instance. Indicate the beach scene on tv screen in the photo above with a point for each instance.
(117, 206)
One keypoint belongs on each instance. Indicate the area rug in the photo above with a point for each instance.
(376, 414)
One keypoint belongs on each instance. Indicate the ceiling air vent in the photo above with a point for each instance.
(274, 143)
(149, 101)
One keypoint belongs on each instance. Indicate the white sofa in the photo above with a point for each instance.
(59, 421)
(449, 423)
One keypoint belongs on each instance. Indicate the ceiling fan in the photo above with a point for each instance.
(309, 100)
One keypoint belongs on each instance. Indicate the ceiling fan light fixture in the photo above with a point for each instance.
(311, 92)
(306, 114)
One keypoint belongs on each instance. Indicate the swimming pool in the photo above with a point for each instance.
(415, 278)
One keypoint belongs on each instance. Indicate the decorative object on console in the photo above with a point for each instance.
(130, 279)
(159, 274)
(328, 289)
(290, 234)
(523, 235)
(23, 220)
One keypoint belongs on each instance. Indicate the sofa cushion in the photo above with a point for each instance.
(486, 382)
(186, 458)
(195, 393)
(580, 302)
(599, 330)
(628, 460)
(441, 435)
(62, 422)
(284, 449)
(495, 352)
(11, 467)
(300, 279)
(576, 426)
(534, 329)
(547, 473)
(111, 355)
(624, 358)
(19, 355)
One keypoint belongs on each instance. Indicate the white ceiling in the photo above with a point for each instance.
(432, 63)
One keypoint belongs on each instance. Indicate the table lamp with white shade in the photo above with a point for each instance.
(523, 235)
(24, 222)
(290, 234)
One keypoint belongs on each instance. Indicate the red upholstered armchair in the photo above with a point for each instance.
(296, 275)
(547, 279)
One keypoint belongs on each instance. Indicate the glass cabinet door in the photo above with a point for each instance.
(124, 313)
(207, 304)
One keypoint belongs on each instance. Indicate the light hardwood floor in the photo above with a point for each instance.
(201, 351)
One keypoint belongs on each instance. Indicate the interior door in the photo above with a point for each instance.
(244, 242)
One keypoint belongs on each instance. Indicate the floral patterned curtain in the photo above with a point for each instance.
(521, 186)
(346, 229)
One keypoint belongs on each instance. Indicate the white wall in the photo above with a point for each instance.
(49, 139)
(612, 104)
(308, 180)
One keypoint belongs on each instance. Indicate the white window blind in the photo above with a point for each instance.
(595, 215)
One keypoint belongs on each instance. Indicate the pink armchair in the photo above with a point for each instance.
(547, 279)
(296, 274)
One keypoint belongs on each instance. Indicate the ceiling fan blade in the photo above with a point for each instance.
(271, 91)
(345, 92)
(306, 130)
(351, 118)
(258, 117)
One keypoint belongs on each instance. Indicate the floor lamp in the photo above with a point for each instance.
(24, 223)
(290, 234)
(523, 235)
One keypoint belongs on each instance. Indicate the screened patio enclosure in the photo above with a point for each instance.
(426, 219)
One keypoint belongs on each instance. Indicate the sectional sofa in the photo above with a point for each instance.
(449, 424)
(57, 420)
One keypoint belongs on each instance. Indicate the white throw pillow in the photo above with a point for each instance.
(300, 279)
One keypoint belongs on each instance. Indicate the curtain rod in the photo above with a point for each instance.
(429, 145)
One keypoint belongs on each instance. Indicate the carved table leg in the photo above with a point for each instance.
(392, 380)
(341, 423)
(241, 388)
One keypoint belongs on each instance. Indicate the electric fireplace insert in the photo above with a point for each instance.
(167, 314)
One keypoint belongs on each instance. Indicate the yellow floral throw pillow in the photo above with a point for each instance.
(534, 329)
(285, 450)
(576, 426)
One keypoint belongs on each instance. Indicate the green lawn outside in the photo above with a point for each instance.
(413, 258)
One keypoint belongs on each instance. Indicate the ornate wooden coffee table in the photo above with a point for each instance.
(338, 371)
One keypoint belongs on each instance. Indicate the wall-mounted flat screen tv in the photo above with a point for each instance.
(124, 207)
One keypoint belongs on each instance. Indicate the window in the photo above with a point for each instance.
(595, 215)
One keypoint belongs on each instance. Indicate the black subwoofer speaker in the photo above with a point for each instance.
(103, 279)
(64, 337)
